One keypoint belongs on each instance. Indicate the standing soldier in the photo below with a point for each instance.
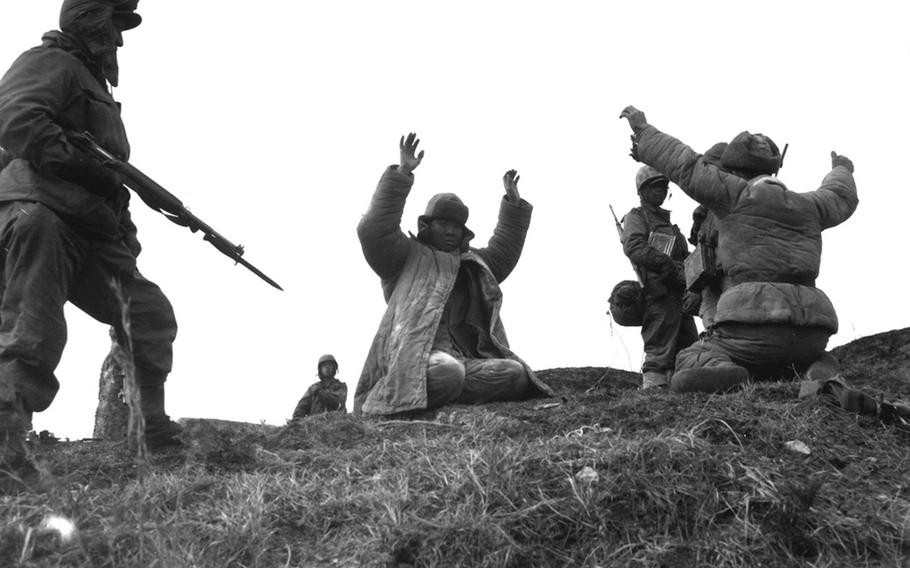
(657, 249)
(66, 229)
(328, 395)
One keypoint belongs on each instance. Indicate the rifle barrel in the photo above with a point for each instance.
(618, 224)
(161, 200)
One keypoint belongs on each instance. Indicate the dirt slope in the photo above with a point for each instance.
(880, 362)
(602, 475)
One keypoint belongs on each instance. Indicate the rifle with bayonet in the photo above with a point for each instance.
(163, 201)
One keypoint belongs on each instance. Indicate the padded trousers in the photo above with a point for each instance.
(45, 263)
(474, 381)
(767, 351)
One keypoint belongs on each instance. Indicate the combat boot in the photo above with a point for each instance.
(653, 379)
(18, 472)
(160, 431)
(824, 368)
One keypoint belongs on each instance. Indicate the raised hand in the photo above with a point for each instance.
(636, 117)
(407, 147)
(510, 181)
(838, 160)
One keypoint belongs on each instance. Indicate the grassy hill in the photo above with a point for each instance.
(605, 475)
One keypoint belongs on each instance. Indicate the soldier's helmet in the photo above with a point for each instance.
(646, 175)
(326, 359)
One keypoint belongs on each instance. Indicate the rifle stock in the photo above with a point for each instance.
(163, 201)
(619, 230)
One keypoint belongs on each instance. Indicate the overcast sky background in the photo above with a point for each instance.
(273, 120)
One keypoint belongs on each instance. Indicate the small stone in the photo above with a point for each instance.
(798, 447)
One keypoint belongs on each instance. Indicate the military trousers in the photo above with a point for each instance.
(665, 330)
(474, 381)
(45, 263)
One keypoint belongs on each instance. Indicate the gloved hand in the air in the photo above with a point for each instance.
(838, 160)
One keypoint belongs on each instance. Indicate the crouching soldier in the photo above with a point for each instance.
(770, 318)
(657, 249)
(441, 339)
(328, 395)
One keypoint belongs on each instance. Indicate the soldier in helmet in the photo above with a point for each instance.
(657, 248)
(66, 228)
(441, 339)
(770, 318)
(328, 395)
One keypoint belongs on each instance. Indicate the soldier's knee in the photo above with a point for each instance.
(445, 379)
(508, 376)
(150, 309)
(34, 222)
(517, 373)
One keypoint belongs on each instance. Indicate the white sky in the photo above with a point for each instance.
(273, 120)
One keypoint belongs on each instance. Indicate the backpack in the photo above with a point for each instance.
(627, 303)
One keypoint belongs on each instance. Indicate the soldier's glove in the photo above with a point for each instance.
(636, 118)
(637, 121)
(665, 267)
(838, 160)
(87, 172)
(678, 279)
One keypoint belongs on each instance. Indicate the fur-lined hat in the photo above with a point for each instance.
(446, 206)
(755, 154)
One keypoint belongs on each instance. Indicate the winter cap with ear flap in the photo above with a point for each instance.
(646, 175)
(449, 207)
(89, 19)
(93, 22)
(125, 15)
(752, 153)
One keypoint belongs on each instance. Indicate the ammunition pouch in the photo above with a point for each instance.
(700, 267)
